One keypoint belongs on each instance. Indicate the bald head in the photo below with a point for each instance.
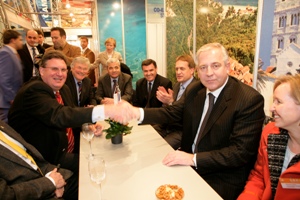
(32, 38)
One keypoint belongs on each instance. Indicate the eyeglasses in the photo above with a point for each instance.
(214, 66)
(57, 70)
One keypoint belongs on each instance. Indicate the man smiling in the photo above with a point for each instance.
(146, 87)
(79, 83)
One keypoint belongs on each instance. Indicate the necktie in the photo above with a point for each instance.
(69, 131)
(114, 86)
(36, 71)
(204, 122)
(18, 149)
(181, 90)
(79, 83)
(149, 95)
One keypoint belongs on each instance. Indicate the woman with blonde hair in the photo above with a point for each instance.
(110, 45)
(276, 174)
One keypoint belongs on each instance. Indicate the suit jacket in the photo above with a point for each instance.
(104, 87)
(27, 62)
(20, 181)
(87, 97)
(141, 96)
(70, 51)
(228, 145)
(91, 56)
(177, 126)
(42, 121)
(11, 76)
(102, 59)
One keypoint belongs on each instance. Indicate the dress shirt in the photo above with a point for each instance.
(83, 50)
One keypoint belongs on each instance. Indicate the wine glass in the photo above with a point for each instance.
(88, 134)
(97, 170)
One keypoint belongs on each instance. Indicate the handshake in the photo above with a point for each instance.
(122, 112)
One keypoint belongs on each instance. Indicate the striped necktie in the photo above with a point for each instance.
(69, 131)
(79, 83)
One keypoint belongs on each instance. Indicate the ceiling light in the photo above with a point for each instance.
(68, 5)
(71, 14)
(116, 5)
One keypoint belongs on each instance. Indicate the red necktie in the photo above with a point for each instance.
(68, 130)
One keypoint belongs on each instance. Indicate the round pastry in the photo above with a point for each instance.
(169, 192)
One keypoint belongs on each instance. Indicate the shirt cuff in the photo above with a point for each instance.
(98, 113)
(51, 179)
(140, 120)
(195, 160)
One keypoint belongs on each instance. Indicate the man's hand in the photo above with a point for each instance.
(164, 96)
(59, 192)
(58, 178)
(107, 101)
(123, 112)
(178, 158)
(98, 129)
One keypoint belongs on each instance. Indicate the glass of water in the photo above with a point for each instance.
(88, 134)
(97, 170)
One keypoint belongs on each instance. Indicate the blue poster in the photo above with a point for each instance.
(133, 36)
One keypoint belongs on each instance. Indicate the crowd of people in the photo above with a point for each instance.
(213, 122)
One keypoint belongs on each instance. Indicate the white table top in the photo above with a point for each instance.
(135, 169)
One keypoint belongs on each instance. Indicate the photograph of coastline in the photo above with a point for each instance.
(231, 23)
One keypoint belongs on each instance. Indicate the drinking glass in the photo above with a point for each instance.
(97, 170)
(88, 134)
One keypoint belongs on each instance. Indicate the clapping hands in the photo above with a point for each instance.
(164, 96)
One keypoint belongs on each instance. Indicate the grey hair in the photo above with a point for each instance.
(211, 46)
(113, 60)
(81, 60)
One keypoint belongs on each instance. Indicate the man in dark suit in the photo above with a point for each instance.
(43, 112)
(79, 83)
(184, 68)
(222, 146)
(105, 90)
(81, 90)
(11, 72)
(59, 39)
(28, 55)
(41, 42)
(146, 87)
(22, 179)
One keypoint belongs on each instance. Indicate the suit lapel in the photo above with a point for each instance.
(198, 105)
(73, 87)
(107, 86)
(176, 89)
(84, 91)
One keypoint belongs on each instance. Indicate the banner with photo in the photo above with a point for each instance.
(229, 22)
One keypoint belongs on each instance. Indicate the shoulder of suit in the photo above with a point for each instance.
(126, 76)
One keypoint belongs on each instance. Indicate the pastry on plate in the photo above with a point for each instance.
(169, 192)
